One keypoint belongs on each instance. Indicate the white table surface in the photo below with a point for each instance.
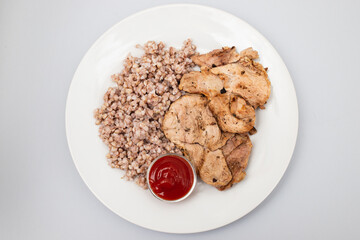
(43, 197)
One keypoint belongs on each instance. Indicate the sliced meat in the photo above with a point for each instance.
(250, 53)
(201, 82)
(233, 114)
(253, 131)
(224, 138)
(212, 130)
(215, 170)
(233, 143)
(247, 79)
(195, 153)
(189, 120)
(237, 151)
(217, 57)
(241, 109)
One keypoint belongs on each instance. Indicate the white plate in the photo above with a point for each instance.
(207, 208)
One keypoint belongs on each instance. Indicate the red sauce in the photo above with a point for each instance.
(171, 177)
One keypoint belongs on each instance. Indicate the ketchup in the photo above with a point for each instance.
(171, 177)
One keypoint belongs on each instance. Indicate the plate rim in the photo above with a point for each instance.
(176, 5)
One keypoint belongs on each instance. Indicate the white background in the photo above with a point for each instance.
(43, 197)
